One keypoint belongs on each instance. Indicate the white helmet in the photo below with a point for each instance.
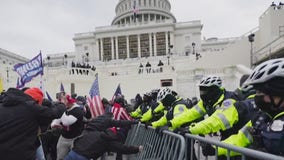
(211, 81)
(163, 93)
(266, 71)
(246, 87)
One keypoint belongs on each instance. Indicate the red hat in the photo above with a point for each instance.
(70, 99)
(35, 93)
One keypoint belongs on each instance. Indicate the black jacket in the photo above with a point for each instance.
(93, 144)
(20, 119)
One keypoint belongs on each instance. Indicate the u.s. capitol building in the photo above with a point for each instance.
(145, 32)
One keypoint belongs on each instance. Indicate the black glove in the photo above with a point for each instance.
(183, 130)
(159, 130)
(169, 124)
(147, 124)
(207, 149)
(136, 121)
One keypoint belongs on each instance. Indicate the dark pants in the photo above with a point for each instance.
(121, 135)
(49, 142)
(74, 156)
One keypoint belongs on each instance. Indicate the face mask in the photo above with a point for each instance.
(210, 96)
(267, 107)
(168, 100)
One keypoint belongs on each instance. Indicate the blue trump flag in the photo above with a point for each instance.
(29, 70)
(62, 88)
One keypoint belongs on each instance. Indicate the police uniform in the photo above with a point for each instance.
(199, 110)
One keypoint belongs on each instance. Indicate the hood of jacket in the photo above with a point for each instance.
(14, 97)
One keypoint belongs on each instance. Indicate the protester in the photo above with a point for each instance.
(82, 102)
(20, 118)
(72, 123)
(50, 136)
(120, 113)
(96, 139)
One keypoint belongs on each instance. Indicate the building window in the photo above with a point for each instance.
(166, 82)
(144, 45)
(133, 46)
(107, 49)
(161, 43)
(122, 48)
(73, 88)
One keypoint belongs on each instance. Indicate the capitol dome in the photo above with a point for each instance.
(145, 11)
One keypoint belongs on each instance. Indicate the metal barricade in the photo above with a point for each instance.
(168, 146)
(245, 152)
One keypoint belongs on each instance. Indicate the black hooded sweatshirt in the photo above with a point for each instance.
(20, 119)
(93, 142)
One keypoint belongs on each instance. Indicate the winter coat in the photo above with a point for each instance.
(93, 142)
(20, 119)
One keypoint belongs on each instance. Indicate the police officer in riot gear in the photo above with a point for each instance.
(265, 131)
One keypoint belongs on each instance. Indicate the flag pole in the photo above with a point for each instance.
(41, 77)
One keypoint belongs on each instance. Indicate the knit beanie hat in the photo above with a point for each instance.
(36, 94)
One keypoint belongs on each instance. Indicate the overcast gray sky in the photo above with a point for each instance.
(27, 26)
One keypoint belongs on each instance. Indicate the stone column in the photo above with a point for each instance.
(116, 47)
(155, 45)
(172, 42)
(102, 49)
(112, 48)
(167, 43)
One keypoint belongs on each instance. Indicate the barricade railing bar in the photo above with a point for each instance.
(172, 146)
(245, 152)
(167, 146)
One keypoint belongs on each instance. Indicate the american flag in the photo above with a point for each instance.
(94, 99)
(116, 93)
(120, 113)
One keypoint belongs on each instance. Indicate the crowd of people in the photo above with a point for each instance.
(148, 68)
(32, 127)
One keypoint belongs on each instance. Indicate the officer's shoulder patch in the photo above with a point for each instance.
(277, 125)
(181, 109)
(227, 103)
